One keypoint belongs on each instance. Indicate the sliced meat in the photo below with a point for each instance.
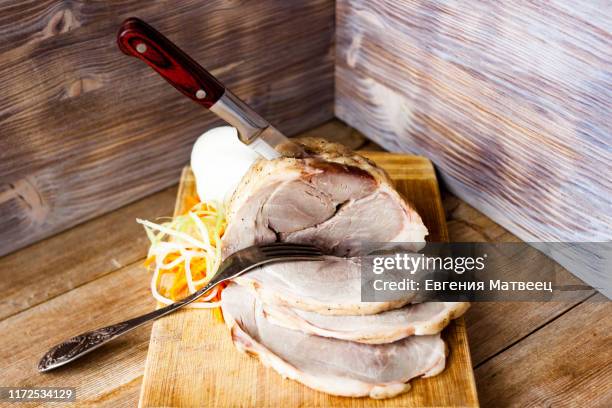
(334, 366)
(331, 286)
(418, 319)
(333, 198)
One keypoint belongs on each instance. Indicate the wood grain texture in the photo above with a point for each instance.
(192, 361)
(85, 129)
(510, 100)
(574, 363)
(493, 326)
(79, 255)
(108, 377)
(546, 373)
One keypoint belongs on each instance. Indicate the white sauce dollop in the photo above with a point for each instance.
(219, 160)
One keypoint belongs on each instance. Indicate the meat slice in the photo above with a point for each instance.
(334, 366)
(418, 319)
(333, 198)
(331, 286)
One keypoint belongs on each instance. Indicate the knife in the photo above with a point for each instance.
(138, 39)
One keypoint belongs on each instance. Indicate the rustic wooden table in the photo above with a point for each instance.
(524, 354)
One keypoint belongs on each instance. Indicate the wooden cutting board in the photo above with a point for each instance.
(192, 361)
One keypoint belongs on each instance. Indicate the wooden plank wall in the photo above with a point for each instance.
(85, 129)
(511, 100)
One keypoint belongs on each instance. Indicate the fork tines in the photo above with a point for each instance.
(288, 249)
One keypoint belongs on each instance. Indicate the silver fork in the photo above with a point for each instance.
(233, 266)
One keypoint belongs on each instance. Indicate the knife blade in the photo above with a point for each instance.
(138, 39)
(253, 130)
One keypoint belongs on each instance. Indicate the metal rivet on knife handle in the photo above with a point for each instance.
(138, 39)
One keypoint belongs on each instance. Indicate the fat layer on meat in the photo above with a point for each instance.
(386, 327)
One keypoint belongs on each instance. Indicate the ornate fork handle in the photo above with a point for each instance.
(77, 346)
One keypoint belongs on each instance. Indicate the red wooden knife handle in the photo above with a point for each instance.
(138, 39)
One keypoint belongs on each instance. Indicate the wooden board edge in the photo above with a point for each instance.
(186, 174)
(464, 347)
(459, 323)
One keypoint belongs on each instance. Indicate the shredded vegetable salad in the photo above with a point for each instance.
(185, 254)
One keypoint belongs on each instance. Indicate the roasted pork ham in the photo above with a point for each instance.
(333, 198)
